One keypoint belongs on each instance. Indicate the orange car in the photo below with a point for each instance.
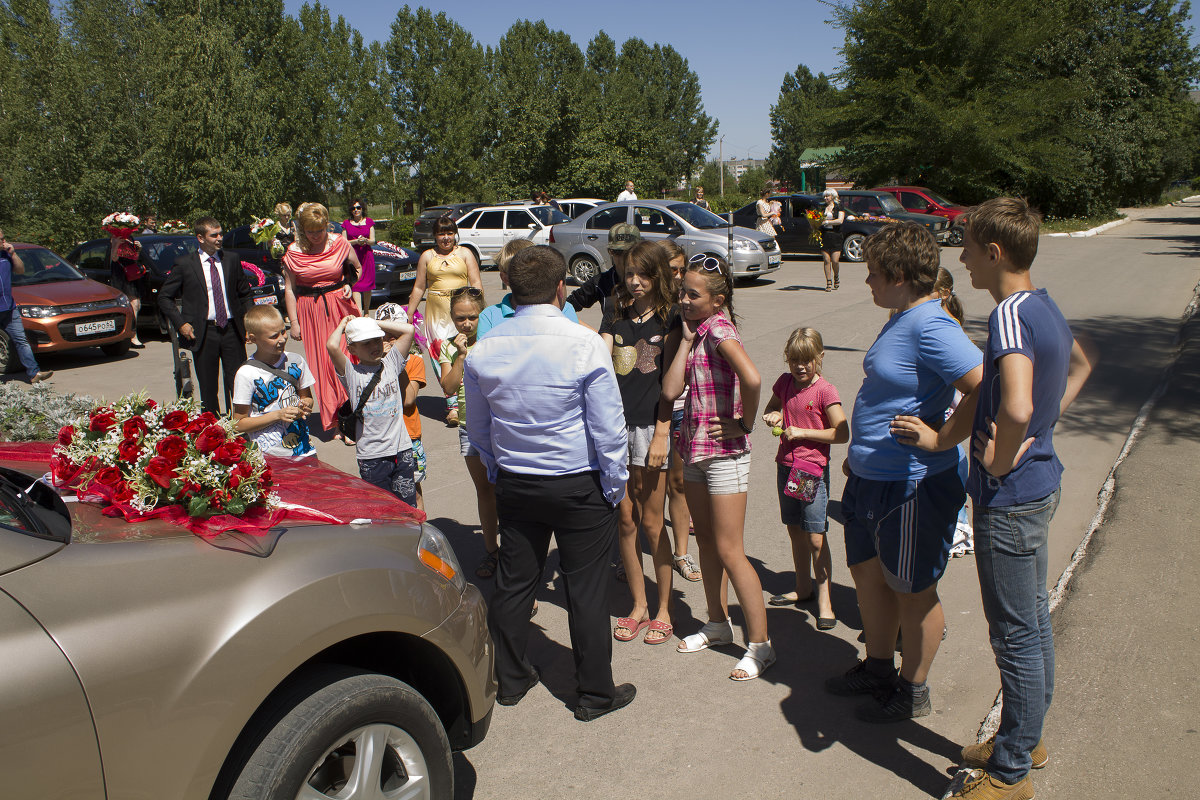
(63, 310)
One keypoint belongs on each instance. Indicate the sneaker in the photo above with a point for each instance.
(978, 755)
(859, 680)
(895, 705)
(982, 786)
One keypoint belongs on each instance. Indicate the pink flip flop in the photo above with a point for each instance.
(664, 628)
(632, 626)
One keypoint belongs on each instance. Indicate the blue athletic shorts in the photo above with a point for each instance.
(909, 525)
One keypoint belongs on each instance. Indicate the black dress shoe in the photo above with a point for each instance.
(513, 699)
(622, 696)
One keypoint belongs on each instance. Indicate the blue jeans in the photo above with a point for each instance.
(1011, 556)
(16, 334)
(395, 474)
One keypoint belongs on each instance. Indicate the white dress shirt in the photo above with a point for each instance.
(206, 271)
(626, 195)
(542, 399)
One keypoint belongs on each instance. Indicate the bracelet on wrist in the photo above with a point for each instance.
(742, 424)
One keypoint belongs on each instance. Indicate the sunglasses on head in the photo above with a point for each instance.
(469, 291)
(709, 263)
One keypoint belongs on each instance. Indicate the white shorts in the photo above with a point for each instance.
(723, 475)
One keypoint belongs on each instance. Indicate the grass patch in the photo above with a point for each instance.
(1073, 224)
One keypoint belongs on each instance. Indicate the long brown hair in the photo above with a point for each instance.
(650, 258)
(944, 286)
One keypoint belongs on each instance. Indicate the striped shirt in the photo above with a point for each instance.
(713, 391)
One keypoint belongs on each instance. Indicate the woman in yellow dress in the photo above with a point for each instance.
(448, 266)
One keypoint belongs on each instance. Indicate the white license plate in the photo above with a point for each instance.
(403, 276)
(88, 328)
(269, 300)
(774, 258)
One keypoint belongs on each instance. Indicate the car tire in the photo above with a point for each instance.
(326, 719)
(115, 349)
(8, 355)
(852, 247)
(955, 237)
(584, 268)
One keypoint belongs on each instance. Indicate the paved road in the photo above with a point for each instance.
(692, 732)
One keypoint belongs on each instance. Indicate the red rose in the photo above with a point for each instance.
(243, 469)
(102, 421)
(161, 471)
(266, 481)
(230, 452)
(150, 404)
(129, 450)
(109, 476)
(200, 423)
(133, 427)
(235, 481)
(66, 435)
(123, 494)
(63, 469)
(210, 438)
(175, 420)
(172, 448)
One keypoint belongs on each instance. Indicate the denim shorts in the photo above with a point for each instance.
(640, 437)
(464, 444)
(419, 456)
(811, 516)
(908, 525)
(395, 474)
(723, 475)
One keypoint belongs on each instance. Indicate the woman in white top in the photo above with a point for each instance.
(763, 207)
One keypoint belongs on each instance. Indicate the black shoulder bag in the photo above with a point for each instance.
(347, 417)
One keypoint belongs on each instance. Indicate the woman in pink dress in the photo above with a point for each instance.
(319, 269)
(360, 231)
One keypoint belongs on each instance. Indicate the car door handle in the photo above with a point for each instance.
(592, 237)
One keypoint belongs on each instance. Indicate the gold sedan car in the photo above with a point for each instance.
(143, 662)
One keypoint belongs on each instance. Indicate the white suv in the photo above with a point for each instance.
(485, 230)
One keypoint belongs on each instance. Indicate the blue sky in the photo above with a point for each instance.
(739, 50)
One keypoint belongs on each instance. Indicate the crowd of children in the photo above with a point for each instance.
(690, 395)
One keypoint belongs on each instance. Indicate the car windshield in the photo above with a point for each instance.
(163, 252)
(434, 213)
(889, 202)
(697, 217)
(549, 216)
(937, 198)
(42, 266)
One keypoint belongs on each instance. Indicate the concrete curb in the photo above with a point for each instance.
(1093, 231)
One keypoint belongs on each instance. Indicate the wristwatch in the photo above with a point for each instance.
(741, 421)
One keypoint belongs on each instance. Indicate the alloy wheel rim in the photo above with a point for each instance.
(374, 762)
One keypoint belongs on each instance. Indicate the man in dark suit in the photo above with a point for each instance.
(215, 296)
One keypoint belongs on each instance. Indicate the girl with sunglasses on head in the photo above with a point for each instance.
(714, 442)
(360, 232)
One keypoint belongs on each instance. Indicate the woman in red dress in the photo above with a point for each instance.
(319, 270)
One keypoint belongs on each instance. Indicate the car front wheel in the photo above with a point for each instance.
(349, 735)
(852, 247)
(8, 355)
(584, 268)
(955, 237)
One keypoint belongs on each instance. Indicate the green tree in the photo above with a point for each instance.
(710, 178)
(753, 181)
(799, 120)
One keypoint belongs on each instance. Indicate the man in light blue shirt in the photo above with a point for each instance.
(545, 414)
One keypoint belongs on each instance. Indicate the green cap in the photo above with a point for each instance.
(623, 236)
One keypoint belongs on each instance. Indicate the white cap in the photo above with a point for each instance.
(361, 329)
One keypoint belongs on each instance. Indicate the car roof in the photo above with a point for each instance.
(506, 206)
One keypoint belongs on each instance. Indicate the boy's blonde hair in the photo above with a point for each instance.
(805, 346)
(905, 251)
(258, 318)
(510, 249)
(1009, 222)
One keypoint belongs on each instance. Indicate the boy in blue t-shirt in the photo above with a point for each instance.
(1032, 371)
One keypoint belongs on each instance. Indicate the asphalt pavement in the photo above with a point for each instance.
(1126, 686)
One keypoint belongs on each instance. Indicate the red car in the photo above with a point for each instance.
(927, 201)
(62, 310)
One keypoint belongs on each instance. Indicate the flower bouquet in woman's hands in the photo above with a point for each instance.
(265, 230)
(174, 226)
(137, 456)
(121, 224)
(815, 219)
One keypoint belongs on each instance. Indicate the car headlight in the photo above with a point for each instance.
(746, 245)
(39, 312)
(435, 552)
(122, 301)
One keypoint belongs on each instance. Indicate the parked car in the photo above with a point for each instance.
(159, 253)
(61, 309)
(927, 201)
(583, 242)
(574, 207)
(795, 231)
(423, 224)
(873, 204)
(141, 660)
(485, 230)
(395, 272)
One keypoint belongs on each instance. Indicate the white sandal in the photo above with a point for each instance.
(759, 656)
(713, 634)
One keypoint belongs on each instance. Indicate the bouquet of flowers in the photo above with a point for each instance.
(259, 277)
(173, 226)
(815, 218)
(138, 456)
(265, 230)
(121, 224)
(391, 248)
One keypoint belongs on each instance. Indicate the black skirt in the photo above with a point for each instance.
(831, 241)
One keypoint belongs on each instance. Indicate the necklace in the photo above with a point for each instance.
(645, 315)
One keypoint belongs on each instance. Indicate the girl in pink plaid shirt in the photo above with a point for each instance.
(714, 442)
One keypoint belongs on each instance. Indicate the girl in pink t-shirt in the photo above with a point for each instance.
(806, 413)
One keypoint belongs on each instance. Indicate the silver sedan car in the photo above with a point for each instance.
(318, 661)
(583, 242)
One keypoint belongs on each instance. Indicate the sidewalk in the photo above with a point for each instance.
(1123, 722)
